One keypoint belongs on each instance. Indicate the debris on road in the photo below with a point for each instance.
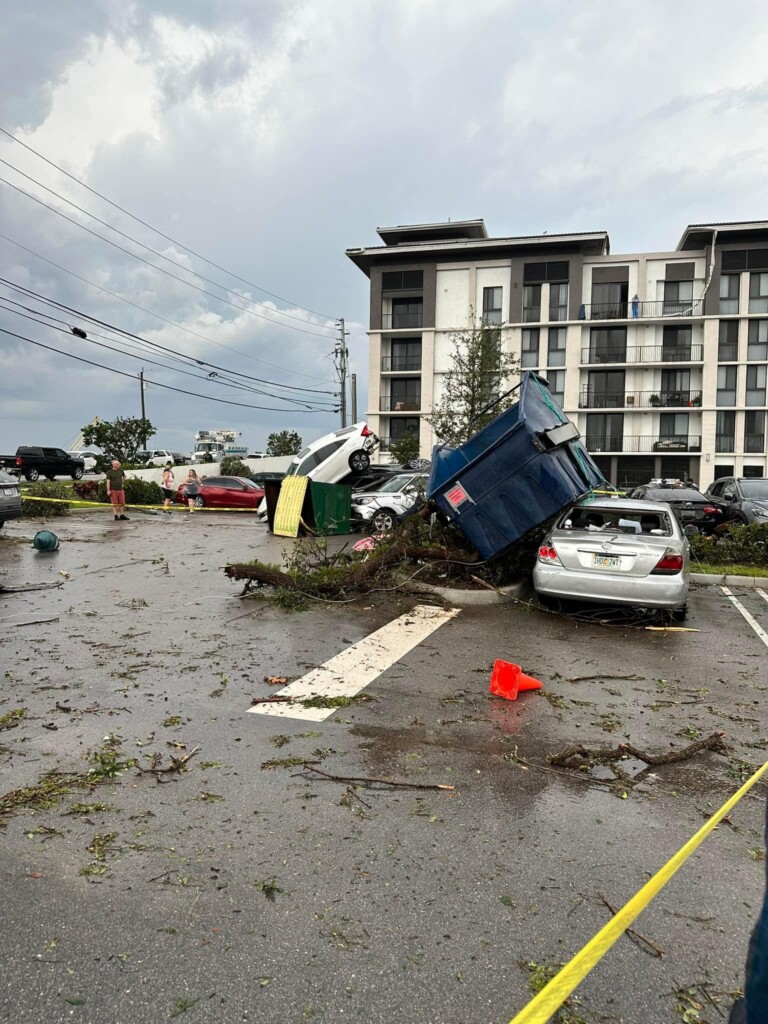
(625, 750)
(45, 540)
(508, 679)
(371, 781)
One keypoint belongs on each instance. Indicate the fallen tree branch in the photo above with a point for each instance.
(631, 933)
(368, 781)
(177, 764)
(623, 750)
(271, 700)
(515, 758)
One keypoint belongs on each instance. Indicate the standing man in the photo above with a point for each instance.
(116, 489)
(635, 305)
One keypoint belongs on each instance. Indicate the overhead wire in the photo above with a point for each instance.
(157, 231)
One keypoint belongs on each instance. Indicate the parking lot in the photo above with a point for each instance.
(244, 890)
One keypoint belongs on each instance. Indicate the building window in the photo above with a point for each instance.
(558, 302)
(678, 297)
(397, 280)
(609, 301)
(676, 344)
(756, 376)
(608, 345)
(758, 293)
(406, 355)
(557, 385)
(530, 349)
(605, 432)
(757, 344)
(752, 472)
(556, 346)
(729, 293)
(406, 312)
(531, 303)
(725, 431)
(405, 394)
(673, 426)
(605, 390)
(399, 427)
(754, 431)
(676, 388)
(726, 385)
(492, 305)
(728, 342)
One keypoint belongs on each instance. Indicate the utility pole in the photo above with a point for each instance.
(143, 411)
(353, 393)
(341, 352)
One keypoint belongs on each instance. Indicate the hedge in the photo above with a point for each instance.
(746, 544)
(49, 489)
(137, 492)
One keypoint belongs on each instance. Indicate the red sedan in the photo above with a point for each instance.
(226, 492)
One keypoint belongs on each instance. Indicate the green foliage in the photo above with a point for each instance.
(137, 492)
(404, 450)
(480, 371)
(284, 442)
(746, 544)
(232, 466)
(88, 490)
(121, 438)
(49, 489)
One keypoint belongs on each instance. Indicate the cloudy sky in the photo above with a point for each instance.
(270, 135)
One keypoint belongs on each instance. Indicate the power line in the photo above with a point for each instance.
(155, 252)
(175, 277)
(157, 384)
(158, 316)
(157, 231)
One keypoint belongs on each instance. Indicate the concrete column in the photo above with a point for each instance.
(426, 437)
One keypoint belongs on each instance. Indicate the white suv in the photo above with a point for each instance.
(331, 458)
(390, 499)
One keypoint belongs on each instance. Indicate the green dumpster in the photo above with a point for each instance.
(331, 506)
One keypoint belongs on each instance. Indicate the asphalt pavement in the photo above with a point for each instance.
(237, 890)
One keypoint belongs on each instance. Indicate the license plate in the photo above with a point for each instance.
(10, 492)
(606, 561)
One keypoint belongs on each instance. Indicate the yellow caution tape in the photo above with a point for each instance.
(554, 994)
(80, 502)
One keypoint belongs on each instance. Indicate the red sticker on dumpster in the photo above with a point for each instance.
(456, 496)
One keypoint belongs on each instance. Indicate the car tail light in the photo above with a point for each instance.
(671, 562)
(365, 432)
(548, 555)
(710, 510)
(18, 460)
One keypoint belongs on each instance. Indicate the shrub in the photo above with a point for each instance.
(746, 544)
(52, 489)
(137, 492)
(231, 466)
(88, 490)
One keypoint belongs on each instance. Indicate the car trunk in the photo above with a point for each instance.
(620, 553)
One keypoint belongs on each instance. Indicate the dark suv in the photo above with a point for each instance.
(741, 497)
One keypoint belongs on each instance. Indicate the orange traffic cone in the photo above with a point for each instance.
(507, 680)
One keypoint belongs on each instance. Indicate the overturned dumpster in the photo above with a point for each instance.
(521, 469)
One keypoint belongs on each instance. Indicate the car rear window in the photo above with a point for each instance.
(673, 494)
(606, 520)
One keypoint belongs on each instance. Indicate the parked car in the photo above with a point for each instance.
(156, 457)
(690, 506)
(616, 551)
(89, 459)
(32, 462)
(383, 506)
(333, 457)
(10, 499)
(741, 497)
(225, 492)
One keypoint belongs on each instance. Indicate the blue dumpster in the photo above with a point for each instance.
(516, 473)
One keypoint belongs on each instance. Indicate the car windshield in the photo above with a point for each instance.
(6, 478)
(591, 519)
(397, 483)
(754, 488)
(673, 494)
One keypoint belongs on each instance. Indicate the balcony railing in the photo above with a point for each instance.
(635, 443)
(640, 310)
(401, 364)
(725, 443)
(643, 354)
(398, 321)
(639, 399)
(388, 403)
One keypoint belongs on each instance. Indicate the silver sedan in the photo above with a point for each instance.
(10, 500)
(616, 551)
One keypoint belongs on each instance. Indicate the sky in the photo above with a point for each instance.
(268, 136)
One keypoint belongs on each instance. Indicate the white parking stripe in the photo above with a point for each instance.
(355, 668)
(762, 594)
(750, 619)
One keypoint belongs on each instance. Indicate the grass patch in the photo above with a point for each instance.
(539, 975)
(730, 570)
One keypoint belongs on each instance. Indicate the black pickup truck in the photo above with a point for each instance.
(32, 463)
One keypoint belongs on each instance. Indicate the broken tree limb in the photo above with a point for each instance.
(623, 750)
(176, 765)
(368, 781)
(631, 933)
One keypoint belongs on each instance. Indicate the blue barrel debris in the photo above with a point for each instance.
(45, 540)
(521, 469)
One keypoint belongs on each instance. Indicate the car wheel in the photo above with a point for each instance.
(199, 501)
(359, 462)
(680, 614)
(77, 474)
(419, 464)
(32, 475)
(383, 520)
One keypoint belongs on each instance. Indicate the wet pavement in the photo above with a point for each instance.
(237, 892)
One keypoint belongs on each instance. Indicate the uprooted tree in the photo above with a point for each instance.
(479, 373)
(120, 438)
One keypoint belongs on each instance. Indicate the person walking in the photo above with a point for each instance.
(191, 488)
(168, 490)
(116, 489)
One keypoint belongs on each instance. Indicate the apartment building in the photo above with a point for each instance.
(660, 358)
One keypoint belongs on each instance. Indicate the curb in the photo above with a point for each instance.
(724, 580)
(468, 598)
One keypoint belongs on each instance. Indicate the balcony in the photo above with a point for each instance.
(643, 354)
(641, 310)
(642, 443)
(390, 403)
(640, 399)
(401, 364)
(400, 321)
